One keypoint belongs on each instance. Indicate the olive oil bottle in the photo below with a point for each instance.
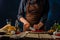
(17, 26)
(55, 26)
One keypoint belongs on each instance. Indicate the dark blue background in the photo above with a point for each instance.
(8, 10)
(54, 13)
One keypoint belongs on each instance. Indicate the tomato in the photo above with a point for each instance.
(17, 32)
(39, 31)
(57, 34)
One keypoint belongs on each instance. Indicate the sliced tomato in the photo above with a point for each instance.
(39, 31)
(57, 34)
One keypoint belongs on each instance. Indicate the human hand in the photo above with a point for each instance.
(40, 24)
(26, 26)
(36, 26)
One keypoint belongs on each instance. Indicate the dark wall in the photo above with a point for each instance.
(54, 13)
(8, 10)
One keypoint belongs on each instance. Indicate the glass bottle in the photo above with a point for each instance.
(17, 26)
(8, 21)
(55, 26)
(58, 26)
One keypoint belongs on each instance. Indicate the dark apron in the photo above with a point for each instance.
(34, 17)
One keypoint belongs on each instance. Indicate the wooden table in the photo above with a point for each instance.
(28, 36)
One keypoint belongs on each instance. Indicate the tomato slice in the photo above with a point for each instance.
(39, 31)
(17, 32)
(57, 34)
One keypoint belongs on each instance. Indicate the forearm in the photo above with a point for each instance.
(42, 21)
(26, 24)
(23, 20)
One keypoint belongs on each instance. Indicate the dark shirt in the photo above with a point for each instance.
(22, 9)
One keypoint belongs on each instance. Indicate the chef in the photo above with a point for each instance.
(33, 13)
